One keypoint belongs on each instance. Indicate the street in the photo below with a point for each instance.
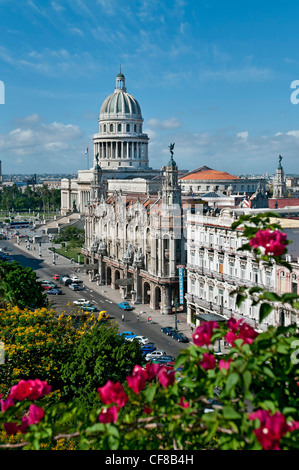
(91, 292)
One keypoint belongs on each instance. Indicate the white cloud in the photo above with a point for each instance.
(243, 135)
(166, 124)
(40, 144)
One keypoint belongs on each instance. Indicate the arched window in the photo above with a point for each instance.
(135, 128)
(111, 127)
(119, 127)
(128, 127)
(105, 128)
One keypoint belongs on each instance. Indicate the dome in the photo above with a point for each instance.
(120, 104)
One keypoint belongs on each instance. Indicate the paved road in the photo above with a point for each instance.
(103, 297)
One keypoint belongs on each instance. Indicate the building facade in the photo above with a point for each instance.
(215, 268)
(134, 242)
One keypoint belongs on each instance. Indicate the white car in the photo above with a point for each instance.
(154, 354)
(141, 339)
(75, 279)
(82, 302)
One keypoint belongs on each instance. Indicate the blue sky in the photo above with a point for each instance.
(214, 77)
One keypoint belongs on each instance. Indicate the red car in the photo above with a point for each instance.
(56, 277)
(47, 286)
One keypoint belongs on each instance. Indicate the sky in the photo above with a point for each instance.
(213, 77)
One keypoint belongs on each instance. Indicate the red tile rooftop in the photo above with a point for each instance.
(209, 175)
(285, 202)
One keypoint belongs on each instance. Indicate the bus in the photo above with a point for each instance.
(21, 224)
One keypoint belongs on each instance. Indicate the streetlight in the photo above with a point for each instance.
(175, 313)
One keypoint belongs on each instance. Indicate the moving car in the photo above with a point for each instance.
(54, 291)
(141, 339)
(74, 286)
(180, 337)
(56, 277)
(167, 330)
(154, 355)
(125, 306)
(83, 302)
(127, 334)
(89, 308)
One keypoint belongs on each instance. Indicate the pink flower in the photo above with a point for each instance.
(247, 333)
(29, 389)
(272, 428)
(138, 379)
(147, 410)
(166, 376)
(240, 330)
(108, 415)
(183, 402)
(34, 416)
(11, 428)
(272, 241)
(152, 370)
(204, 333)
(224, 364)
(233, 324)
(113, 393)
(5, 404)
(208, 361)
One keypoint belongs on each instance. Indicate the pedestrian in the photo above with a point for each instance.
(138, 317)
(123, 317)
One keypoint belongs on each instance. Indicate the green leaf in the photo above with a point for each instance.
(289, 296)
(232, 380)
(265, 310)
(230, 413)
(150, 392)
(271, 296)
(247, 378)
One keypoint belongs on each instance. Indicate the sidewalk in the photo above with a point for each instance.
(106, 291)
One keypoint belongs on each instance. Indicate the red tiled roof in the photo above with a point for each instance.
(285, 202)
(209, 175)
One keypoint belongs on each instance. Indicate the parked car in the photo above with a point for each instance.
(56, 277)
(82, 302)
(47, 286)
(89, 308)
(54, 291)
(154, 355)
(75, 279)
(164, 360)
(125, 306)
(74, 286)
(141, 339)
(180, 337)
(147, 348)
(167, 330)
(49, 283)
(127, 334)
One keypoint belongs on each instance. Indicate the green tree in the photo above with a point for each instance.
(19, 286)
(101, 355)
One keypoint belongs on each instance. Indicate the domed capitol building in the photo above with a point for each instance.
(120, 148)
